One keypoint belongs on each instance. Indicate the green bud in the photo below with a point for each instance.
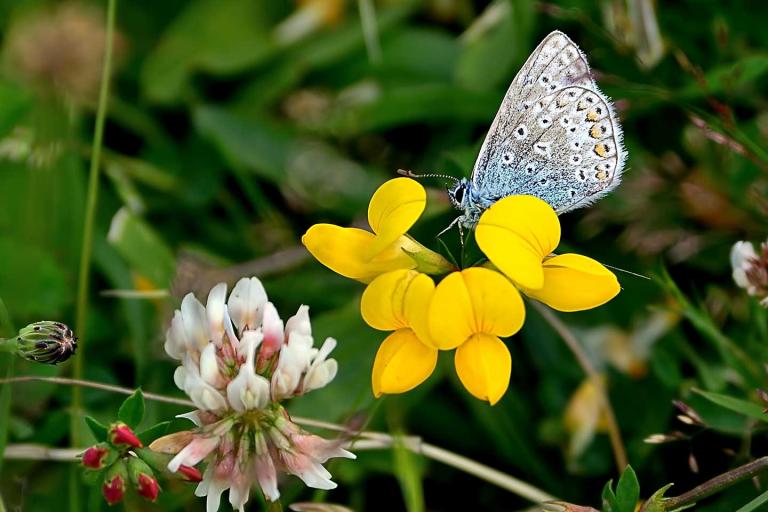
(46, 342)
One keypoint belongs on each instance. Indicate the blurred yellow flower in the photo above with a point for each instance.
(584, 417)
(398, 301)
(362, 255)
(469, 311)
(519, 233)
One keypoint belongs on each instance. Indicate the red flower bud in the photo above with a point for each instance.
(147, 487)
(113, 488)
(190, 474)
(121, 434)
(95, 457)
(143, 479)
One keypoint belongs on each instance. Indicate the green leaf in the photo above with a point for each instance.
(132, 409)
(142, 247)
(98, 429)
(656, 502)
(744, 407)
(14, 104)
(216, 36)
(32, 279)
(153, 432)
(506, 43)
(627, 491)
(755, 503)
(609, 498)
(308, 170)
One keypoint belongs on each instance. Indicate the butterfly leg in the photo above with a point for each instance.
(453, 223)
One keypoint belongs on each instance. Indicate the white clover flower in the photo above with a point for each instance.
(750, 269)
(238, 361)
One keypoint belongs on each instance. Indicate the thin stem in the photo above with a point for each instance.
(86, 250)
(8, 345)
(90, 214)
(371, 440)
(619, 452)
(717, 484)
(503, 480)
(370, 30)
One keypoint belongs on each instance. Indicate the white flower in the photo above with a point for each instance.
(742, 256)
(750, 269)
(228, 349)
(248, 390)
(322, 370)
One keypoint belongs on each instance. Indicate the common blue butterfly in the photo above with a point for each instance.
(555, 137)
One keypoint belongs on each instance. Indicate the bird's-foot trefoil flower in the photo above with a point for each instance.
(470, 311)
(398, 301)
(519, 234)
(239, 361)
(359, 254)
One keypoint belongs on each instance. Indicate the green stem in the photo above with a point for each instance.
(90, 215)
(87, 245)
(619, 452)
(9, 345)
(717, 484)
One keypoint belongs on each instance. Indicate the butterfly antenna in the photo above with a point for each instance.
(627, 272)
(411, 174)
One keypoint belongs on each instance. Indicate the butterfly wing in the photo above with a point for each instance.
(555, 135)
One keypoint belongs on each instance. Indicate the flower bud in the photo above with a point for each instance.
(46, 342)
(95, 457)
(190, 473)
(113, 487)
(121, 434)
(143, 479)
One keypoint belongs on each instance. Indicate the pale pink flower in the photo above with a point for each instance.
(227, 348)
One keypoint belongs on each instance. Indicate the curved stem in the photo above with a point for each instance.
(371, 440)
(619, 452)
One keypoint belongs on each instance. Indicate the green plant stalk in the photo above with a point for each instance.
(9, 345)
(370, 30)
(86, 250)
(717, 484)
(619, 452)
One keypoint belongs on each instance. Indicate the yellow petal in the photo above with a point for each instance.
(573, 282)
(484, 366)
(516, 233)
(382, 303)
(402, 363)
(394, 208)
(399, 299)
(416, 307)
(345, 251)
(475, 300)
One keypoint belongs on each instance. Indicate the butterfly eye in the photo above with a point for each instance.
(458, 194)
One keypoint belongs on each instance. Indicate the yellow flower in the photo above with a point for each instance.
(398, 301)
(519, 234)
(362, 255)
(469, 311)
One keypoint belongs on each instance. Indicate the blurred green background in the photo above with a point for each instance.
(234, 125)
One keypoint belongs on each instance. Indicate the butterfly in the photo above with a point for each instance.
(555, 137)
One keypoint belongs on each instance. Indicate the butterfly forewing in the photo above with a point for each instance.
(555, 135)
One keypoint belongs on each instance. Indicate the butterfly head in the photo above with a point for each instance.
(459, 194)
